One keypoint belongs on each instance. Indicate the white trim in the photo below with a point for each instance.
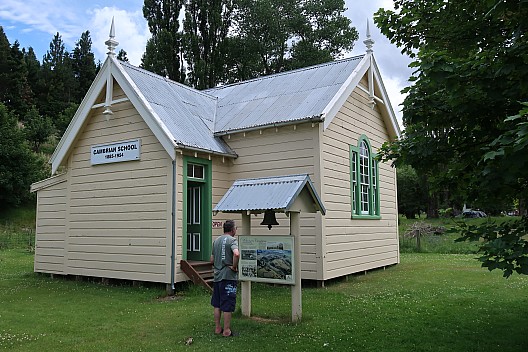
(50, 181)
(112, 67)
(143, 107)
(385, 98)
(113, 102)
(196, 239)
(351, 83)
(78, 119)
(344, 92)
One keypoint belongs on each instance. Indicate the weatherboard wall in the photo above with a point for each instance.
(117, 216)
(353, 245)
(280, 151)
(50, 225)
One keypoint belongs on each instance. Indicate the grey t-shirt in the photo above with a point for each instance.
(223, 248)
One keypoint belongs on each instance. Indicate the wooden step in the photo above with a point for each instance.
(200, 273)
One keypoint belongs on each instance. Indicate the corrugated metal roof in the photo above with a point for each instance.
(289, 96)
(259, 194)
(187, 113)
(194, 117)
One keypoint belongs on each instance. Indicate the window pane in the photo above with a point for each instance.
(198, 171)
(364, 199)
(195, 171)
(364, 169)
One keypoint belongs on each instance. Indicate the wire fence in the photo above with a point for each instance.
(12, 237)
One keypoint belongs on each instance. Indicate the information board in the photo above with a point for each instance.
(266, 259)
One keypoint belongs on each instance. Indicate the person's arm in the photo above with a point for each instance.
(236, 258)
(212, 259)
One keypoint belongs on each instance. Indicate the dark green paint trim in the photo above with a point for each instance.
(207, 206)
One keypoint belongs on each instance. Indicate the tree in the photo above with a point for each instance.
(122, 55)
(19, 167)
(37, 129)
(83, 65)
(471, 74)
(469, 78)
(163, 54)
(33, 72)
(412, 197)
(286, 34)
(57, 72)
(225, 41)
(64, 118)
(15, 91)
(205, 40)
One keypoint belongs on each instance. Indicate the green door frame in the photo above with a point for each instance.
(206, 206)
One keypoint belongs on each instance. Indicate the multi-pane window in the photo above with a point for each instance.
(364, 176)
(195, 171)
(364, 180)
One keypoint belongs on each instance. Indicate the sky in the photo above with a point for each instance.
(35, 22)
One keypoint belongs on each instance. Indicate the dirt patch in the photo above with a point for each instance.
(266, 320)
(169, 298)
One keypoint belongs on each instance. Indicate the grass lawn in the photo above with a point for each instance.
(429, 302)
(441, 243)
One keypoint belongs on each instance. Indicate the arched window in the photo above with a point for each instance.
(364, 181)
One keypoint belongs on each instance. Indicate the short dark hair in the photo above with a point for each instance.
(229, 225)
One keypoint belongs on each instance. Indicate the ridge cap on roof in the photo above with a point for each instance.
(304, 176)
(357, 57)
(168, 80)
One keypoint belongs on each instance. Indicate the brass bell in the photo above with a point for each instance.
(269, 219)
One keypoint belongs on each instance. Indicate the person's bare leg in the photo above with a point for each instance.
(217, 317)
(227, 323)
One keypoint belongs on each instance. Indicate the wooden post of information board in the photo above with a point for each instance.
(246, 285)
(296, 288)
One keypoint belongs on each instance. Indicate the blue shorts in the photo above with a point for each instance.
(224, 295)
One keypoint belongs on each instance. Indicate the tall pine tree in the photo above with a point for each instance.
(61, 86)
(163, 54)
(83, 65)
(206, 27)
(15, 91)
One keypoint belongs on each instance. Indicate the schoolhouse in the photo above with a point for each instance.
(140, 168)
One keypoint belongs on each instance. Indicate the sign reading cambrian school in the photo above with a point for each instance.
(266, 259)
(116, 152)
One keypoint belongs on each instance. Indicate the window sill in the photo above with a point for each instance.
(365, 217)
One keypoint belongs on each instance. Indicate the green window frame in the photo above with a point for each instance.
(364, 181)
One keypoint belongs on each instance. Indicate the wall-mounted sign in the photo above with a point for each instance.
(266, 259)
(218, 224)
(116, 152)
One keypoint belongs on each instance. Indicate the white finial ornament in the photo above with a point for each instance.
(369, 43)
(111, 42)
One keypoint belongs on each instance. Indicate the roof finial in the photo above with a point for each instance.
(111, 42)
(368, 42)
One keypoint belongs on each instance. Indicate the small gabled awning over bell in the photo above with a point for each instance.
(279, 193)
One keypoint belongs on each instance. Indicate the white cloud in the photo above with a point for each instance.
(43, 16)
(130, 27)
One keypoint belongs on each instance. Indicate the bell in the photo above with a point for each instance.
(269, 219)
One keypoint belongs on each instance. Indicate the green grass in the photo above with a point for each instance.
(429, 302)
(443, 243)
